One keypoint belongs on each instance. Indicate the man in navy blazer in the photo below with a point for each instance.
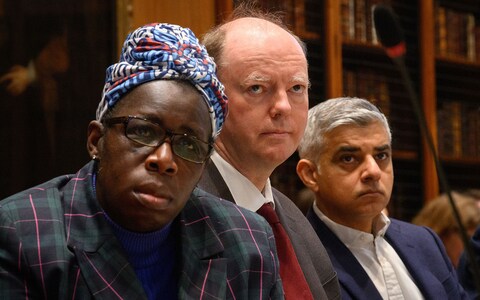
(346, 160)
(465, 267)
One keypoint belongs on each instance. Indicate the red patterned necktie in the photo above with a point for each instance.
(294, 284)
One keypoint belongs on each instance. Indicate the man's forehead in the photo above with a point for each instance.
(254, 31)
(351, 134)
(251, 25)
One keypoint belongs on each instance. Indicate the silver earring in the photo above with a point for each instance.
(94, 157)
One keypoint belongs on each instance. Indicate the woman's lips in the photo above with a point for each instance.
(153, 201)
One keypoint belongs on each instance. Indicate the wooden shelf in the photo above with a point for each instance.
(457, 61)
(352, 44)
(405, 155)
(460, 160)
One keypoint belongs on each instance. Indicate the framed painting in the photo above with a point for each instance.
(54, 54)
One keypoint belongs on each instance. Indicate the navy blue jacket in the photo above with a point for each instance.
(420, 249)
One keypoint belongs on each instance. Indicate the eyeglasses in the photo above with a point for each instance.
(151, 134)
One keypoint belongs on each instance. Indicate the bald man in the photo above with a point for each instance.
(264, 69)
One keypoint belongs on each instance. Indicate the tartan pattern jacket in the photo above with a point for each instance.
(55, 243)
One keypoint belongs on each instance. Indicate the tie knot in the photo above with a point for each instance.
(268, 213)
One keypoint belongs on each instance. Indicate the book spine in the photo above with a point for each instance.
(347, 19)
(477, 42)
(360, 21)
(441, 31)
(470, 31)
(457, 128)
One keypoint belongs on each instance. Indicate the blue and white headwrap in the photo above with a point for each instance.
(165, 51)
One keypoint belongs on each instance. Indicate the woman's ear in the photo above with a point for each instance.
(307, 171)
(94, 135)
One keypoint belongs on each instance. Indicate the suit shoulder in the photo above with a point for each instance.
(285, 202)
(49, 195)
(421, 235)
(219, 207)
(409, 227)
(38, 190)
(290, 215)
(25, 197)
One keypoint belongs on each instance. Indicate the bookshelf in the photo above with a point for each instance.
(346, 59)
(457, 61)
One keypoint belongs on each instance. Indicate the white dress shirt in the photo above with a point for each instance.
(377, 257)
(244, 192)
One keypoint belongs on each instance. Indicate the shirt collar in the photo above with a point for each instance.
(350, 236)
(244, 192)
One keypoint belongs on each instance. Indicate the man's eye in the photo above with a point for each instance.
(298, 88)
(347, 159)
(256, 89)
(382, 156)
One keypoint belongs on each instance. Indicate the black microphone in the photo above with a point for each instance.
(389, 32)
(391, 36)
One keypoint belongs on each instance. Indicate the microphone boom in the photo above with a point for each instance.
(391, 36)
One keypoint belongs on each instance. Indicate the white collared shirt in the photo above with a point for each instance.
(377, 257)
(244, 192)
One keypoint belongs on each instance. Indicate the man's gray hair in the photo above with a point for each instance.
(330, 114)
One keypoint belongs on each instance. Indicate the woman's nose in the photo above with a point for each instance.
(162, 160)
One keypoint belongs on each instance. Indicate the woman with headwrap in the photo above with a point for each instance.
(131, 224)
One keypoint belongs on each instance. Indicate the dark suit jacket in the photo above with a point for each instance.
(55, 243)
(464, 269)
(420, 249)
(310, 252)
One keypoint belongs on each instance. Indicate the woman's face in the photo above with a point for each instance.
(144, 188)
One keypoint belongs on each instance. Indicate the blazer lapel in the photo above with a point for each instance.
(213, 182)
(107, 273)
(204, 271)
(103, 265)
(409, 252)
(288, 220)
(351, 275)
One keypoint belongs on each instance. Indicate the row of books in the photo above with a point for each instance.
(457, 34)
(368, 84)
(458, 123)
(357, 20)
(458, 129)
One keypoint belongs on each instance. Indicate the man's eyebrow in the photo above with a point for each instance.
(257, 77)
(383, 147)
(347, 149)
(301, 78)
(352, 149)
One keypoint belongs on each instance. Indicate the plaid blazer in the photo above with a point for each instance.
(55, 243)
